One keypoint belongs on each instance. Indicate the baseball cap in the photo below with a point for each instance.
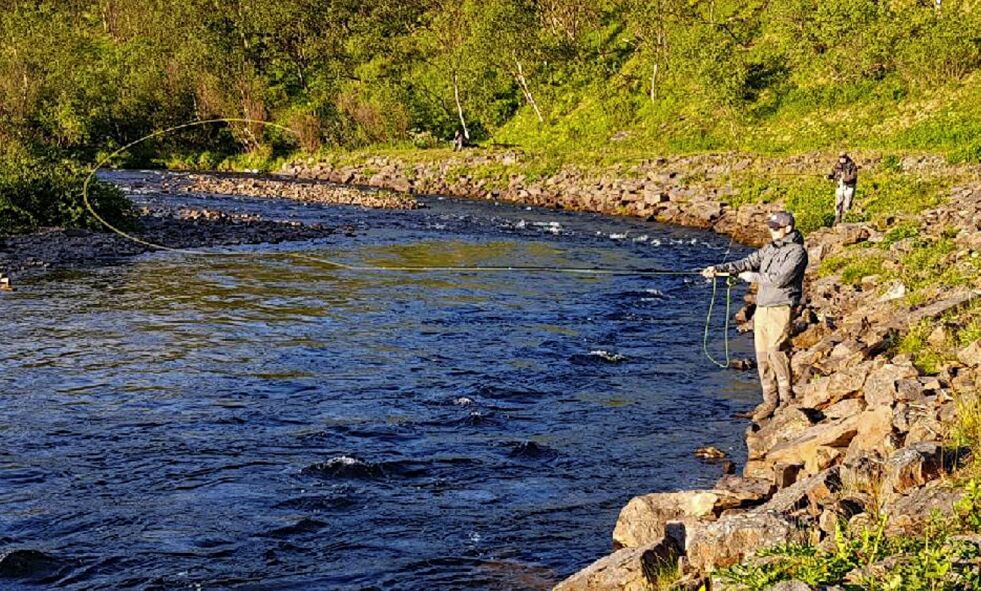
(780, 219)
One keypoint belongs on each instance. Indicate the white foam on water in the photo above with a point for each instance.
(642, 238)
(606, 355)
(463, 401)
(550, 227)
(343, 461)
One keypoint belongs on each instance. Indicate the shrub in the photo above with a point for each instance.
(42, 191)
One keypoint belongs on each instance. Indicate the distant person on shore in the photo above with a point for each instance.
(778, 270)
(459, 140)
(845, 173)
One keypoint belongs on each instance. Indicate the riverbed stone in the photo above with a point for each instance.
(642, 521)
(819, 446)
(724, 542)
(971, 354)
(629, 569)
(881, 387)
(913, 466)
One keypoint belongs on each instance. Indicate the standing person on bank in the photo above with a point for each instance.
(845, 173)
(778, 269)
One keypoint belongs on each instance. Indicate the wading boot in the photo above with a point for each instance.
(766, 410)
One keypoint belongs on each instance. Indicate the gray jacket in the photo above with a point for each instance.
(780, 265)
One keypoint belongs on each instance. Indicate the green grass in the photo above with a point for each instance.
(852, 265)
(934, 560)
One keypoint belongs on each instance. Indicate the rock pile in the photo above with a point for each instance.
(310, 192)
(688, 190)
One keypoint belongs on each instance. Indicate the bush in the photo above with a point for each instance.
(42, 191)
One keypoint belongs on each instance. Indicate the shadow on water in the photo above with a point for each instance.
(264, 423)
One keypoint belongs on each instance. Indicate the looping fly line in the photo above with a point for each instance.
(399, 269)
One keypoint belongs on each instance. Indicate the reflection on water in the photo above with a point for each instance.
(258, 422)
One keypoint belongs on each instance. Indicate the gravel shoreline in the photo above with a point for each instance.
(181, 228)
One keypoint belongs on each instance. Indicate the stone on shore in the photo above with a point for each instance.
(629, 569)
(913, 466)
(642, 521)
(881, 388)
(725, 542)
(818, 447)
(807, 495)
(971, 354)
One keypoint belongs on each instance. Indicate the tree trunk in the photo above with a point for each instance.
(459, 107)
(654, 81)
(520, 75)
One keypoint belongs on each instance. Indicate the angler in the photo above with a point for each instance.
(845, 173)
(778, 269)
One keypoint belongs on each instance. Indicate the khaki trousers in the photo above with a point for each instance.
(771, 333)
(844, 195)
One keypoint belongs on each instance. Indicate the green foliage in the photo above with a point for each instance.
(852, 266)
(899, 233)
(927, 358)
(865, 558)
(930, 264)
(47, 192)
(557, 79)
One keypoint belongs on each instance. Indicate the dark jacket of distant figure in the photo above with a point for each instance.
(846, 172)
(781, 265)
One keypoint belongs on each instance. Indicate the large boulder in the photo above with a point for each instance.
(881, 388)
(842, 384)
(642, 521)
(629, 569)
(913, 466)
(792, 585)
(806, 495)
(741, 492)
(819, 446)
(727, 541)
(971, 354)
(909, 513)
(786, 424)
(875, 433)
(844, 408)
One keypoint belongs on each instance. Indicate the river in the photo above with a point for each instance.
(258, 422)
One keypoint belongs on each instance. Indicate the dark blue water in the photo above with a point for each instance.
(179, 422)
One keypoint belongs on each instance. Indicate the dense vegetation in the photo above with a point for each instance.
(79, 77)
(686, 74)
(557, 77)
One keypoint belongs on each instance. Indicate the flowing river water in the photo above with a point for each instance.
(256, 422)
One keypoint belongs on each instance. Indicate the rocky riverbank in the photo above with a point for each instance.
(868, 431)
(309, 191)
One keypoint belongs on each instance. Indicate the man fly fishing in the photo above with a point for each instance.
(778, 269)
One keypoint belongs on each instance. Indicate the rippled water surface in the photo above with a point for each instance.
(254, 422)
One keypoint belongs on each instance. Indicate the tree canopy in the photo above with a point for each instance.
(85, 75)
